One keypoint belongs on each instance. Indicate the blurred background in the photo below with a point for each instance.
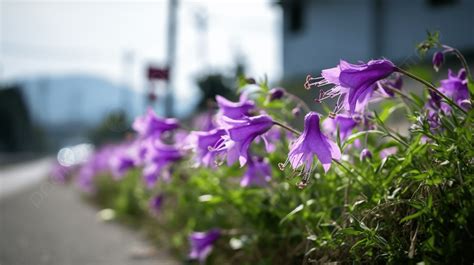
(75, 72)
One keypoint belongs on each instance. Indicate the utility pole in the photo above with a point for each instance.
(171, 54)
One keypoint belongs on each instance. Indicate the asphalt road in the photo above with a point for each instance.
(42, 222)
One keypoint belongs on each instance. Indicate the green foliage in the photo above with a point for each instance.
(412, 206)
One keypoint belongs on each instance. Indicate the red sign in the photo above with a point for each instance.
(156, 73)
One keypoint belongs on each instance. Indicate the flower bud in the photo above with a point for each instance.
(365, 154)
(276, 93)
(438, 59)
(296, 111)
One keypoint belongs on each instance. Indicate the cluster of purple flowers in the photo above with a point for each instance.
(231, 133)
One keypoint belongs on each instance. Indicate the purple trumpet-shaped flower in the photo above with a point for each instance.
(345, 124)
(151, 125)
(455, 87)
(202, 243)
(258, 173)
(312, 142)
(438, 60)
(353, 83)
(204, 145)
(234, 110)
(160, 157)
(240, 134)
(156, 203)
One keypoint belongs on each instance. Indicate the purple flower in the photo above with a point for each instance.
(202, 243)
(204, 145)
(312, 142)
(204, 121)
(388, 85)
(160, 157)
(345, 124)
(156, 203)
(234, 110)
(240, 134)
(438, 60)
(388, 152)
(121, 161)
(151, 125)
(365, 154)
(276, 93)
(455, 87)
(354, 82)
(258, 173)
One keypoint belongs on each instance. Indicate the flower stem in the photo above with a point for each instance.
(431, 87)
(287, 127)
(299, 100)
(463, 62)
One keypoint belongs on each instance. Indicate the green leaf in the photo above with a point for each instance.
(388, 109)
(412, 216)
(297, 209)
(353, 137)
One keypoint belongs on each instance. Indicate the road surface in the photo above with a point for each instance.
(42, 222)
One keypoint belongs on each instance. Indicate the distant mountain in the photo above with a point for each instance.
(80, 99)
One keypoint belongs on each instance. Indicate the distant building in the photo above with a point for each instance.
(317, 33)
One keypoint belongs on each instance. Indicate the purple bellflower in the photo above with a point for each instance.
(438, 60)
(202, 243)
(151, 125)
(345, 124)
(240, 134)
(312, 142)
(234, 110)
(160, 157)
(204, 144)
(455, 87)
(353, 83)
(258, 173)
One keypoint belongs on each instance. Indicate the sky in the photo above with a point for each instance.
(118, 39)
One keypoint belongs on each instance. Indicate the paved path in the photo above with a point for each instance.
(46, 223)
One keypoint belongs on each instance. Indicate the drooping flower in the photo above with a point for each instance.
(345, 123)
(151, 125)
(438, 59)
(234, 110)
(240, 134)
(310, 143)
(455, 87)
(202, 243)
(204, 145)
(258, 173)
(352, 82)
